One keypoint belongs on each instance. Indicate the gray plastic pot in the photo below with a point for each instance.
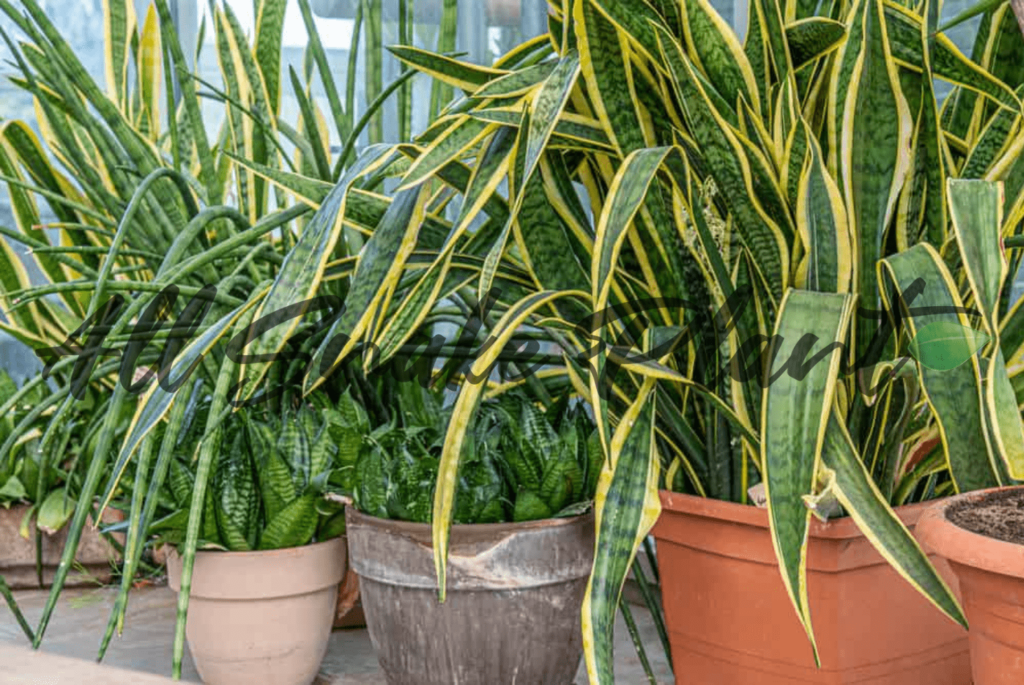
(512, 614)
(261, 617)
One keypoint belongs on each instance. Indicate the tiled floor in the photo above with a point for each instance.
(81, 616)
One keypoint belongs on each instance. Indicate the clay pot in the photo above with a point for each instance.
(730, 620)
(991, 574)
(261, 617)
(512, 614)
(95, 559)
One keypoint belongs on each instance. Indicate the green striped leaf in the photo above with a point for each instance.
(545, 241)
(716, 51)
(487, 175)
(755, 47)
(794, 416)
(547, 108)
(462, 75)
(731, 169)
(822, 223)
(961, 421)
(234, 493)
(812, 38)
(570, 130)
(862, 500)
(625, 198)
(626, 507)
(310, 191)
(976, 208)
(875, 153)
(635, 19)
(451, 145)
(605, 71)
(1004, 416)
(992, 142)
(119, 22)
(294, 526)
(304, 267)
(1009, 169)
(380, 265)
(269, 38)
(518, 82)
(947, 62)
(415, 307)
(1004, 50)
(461, 418)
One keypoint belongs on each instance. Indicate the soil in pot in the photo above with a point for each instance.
(262, 617)
(999, 515)
(982, 536)
(512, 614)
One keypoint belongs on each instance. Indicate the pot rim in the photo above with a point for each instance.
(259, 553)
(542, 553)
(722, 510)
(965, 547)
(263, 574)
(353, 515)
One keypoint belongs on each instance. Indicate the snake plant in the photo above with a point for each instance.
(267, 491)
(521, 463)
(724, 239)
(168, 238)
(46, 482)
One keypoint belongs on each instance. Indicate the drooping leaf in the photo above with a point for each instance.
(794, 416)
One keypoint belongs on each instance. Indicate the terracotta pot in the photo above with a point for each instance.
(261, 617)
(95, 560)
(349, 613)
(512, 614)
(730, 620)
(991, 574)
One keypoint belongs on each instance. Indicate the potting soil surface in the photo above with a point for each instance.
(999, 515)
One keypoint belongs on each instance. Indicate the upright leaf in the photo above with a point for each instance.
(875, 153)
(626, 507)
(955, 397)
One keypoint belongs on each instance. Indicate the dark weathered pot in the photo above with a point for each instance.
(512, 614)
(730, 620)
(991, 574)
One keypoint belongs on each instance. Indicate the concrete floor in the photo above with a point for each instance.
(81, 616)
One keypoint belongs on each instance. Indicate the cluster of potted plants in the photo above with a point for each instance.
(38, 488)
(771, 282)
